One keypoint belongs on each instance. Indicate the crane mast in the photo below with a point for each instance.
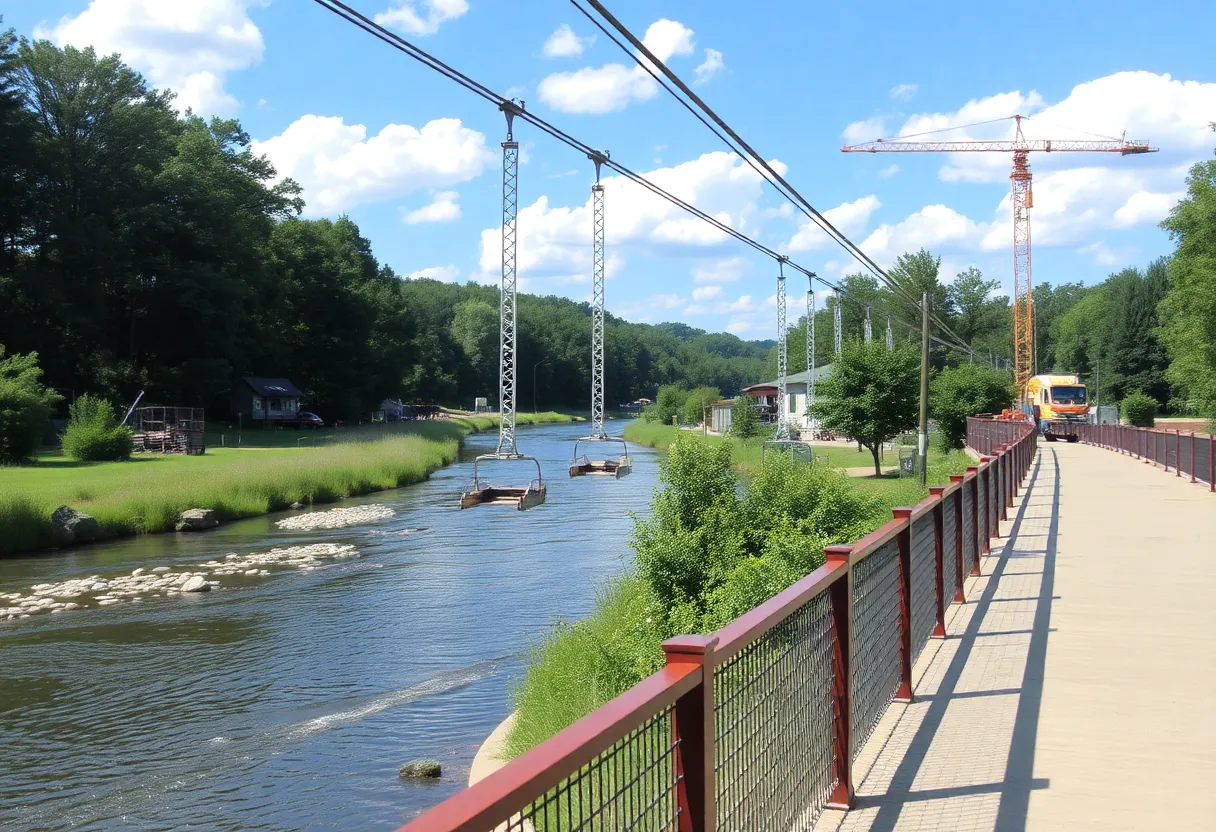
(1024, 359)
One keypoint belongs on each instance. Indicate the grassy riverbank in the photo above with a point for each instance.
(147, 493)
(703, 558)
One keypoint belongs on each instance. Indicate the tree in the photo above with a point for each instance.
(872, 394)
(916, 274)
(475, 330)
(1188, 312)
(697, 403)
(25, 406)
(967, 390)
(1136, 358)
(744, 422)
(669, 403)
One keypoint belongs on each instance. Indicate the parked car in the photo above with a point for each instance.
(307, 419)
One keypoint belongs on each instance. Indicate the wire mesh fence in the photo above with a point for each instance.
(773, 721)
(924, 581)
(876, 639)
(631, 786)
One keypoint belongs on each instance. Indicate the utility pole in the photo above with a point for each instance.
(922, 445)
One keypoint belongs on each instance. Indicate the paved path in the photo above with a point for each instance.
(1076, 688)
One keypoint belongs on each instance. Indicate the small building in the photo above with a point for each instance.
(795, 397)
(265, 401)
(391, 410)
(720, 416)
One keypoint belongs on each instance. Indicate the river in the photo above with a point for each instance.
(290, 702)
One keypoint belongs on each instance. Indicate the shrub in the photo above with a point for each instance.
(967, 390)
(25, 406)
(669, 402)
(1138, 409)
(93, 433)
(696, 404)
(744, 421)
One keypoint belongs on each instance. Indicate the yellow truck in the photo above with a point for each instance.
(1057, 402)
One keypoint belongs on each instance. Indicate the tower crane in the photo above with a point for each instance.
(1023, 201)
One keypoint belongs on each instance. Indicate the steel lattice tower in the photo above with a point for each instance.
(837, 326)
(869, 330)
(890, 336)
(810, 345)
(1023, 296)
(783, 422)
(597, 300)
(506, 293)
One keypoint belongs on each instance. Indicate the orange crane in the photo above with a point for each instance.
(1023, 201)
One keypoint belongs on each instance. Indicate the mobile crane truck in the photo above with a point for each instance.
(1058, 403)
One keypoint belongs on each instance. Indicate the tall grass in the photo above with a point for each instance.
(146, 494)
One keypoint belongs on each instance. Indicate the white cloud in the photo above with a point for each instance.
(739, 326)
(340, 167)
(611, 87)
(1104, 255)
(849, 218)
(933, 227)
(712, 65)
(405, 15)
(554, 241)
(903, 92)
(726, 270)
(706, 292)
(865, 131)
(446, 274)
(445, 207)
(563, 43)
(888, 171)
(1144, 208)
(188, 46)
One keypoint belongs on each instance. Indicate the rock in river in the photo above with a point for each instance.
(70, 526)
(421, 768)
(196, 519)
(196, 584)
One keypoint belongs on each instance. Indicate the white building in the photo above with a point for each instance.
(795, 397)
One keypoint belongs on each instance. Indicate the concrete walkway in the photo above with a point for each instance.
(1076, 687)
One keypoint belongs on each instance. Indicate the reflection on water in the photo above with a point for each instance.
(290, 703)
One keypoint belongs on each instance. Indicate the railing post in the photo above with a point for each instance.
(1177, 452)
(1192, 456)
(939, 578)
(693, 726)
(1212, 462)
(975, 518)
(959, 596)
(1166, 456)
(840, 594)
(903, 693)
(988, 520)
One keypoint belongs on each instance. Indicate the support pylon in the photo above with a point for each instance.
(869, 330)
(506, 292)
(783, 424)
(837, 326)
(890, 336)
(597, 300)
(810, 345)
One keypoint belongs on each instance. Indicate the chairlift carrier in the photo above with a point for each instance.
(586, 467)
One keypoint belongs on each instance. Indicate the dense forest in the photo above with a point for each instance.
(147, 250)
(143, 249)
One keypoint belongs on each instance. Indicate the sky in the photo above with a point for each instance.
(415, 160)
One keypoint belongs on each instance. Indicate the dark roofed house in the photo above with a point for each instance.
(266, 400)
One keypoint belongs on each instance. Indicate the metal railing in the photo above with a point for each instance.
(755, 727)
(1186, 454)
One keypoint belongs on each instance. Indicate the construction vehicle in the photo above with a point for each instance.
(1058, 403)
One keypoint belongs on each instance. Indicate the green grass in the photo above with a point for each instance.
(147, 493)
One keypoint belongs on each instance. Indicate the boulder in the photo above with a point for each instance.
(69, 526)
(297, 505)
(196, 519)
(421, 768)
(196, 584)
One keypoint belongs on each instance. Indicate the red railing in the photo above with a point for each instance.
(1188, 454)
(756, 726)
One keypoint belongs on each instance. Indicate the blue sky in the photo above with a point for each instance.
(415, 160)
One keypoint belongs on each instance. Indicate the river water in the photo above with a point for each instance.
(290, 702)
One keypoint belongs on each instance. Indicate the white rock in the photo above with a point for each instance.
(135, 573)
(99, 586)
(160, 569)
(196, 584)
(249, 572)
(105, 602)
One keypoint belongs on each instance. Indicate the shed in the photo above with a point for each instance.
(795, 403)
(265, 400)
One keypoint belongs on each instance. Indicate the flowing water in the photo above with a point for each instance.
(290, 701)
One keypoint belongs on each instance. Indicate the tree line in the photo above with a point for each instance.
(143, 249)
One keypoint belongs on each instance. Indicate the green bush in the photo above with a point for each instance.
(744, 421)
(93, 433)
(669, 403)
(1138, 409)
(25, 406)
(697, 403)
(967, 390)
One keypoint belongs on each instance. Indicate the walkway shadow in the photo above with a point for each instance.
(1018, 781)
